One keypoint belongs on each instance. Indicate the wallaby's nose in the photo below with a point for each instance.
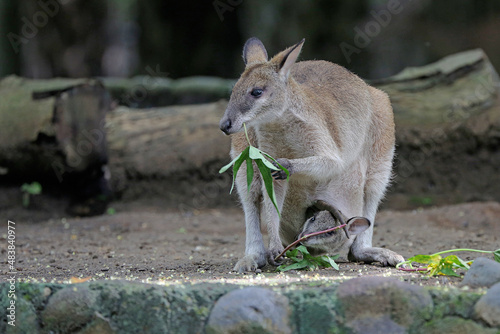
(226, 126)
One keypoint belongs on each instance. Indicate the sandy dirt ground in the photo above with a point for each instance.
(150, 243)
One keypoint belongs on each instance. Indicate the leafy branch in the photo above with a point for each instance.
(307, 236)
(437, 265)
(304, 260)
(308, 261)
(263, 161)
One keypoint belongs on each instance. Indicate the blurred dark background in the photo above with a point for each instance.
(123, 38)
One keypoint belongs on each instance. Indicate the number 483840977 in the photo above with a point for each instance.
(11, 240)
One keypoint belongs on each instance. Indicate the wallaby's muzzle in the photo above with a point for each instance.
(226, 125)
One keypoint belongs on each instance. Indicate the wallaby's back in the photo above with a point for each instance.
(321, 72)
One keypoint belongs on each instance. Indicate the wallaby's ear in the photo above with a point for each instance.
(254, 52)
(287, 58)
(356, 225)
(321, 205)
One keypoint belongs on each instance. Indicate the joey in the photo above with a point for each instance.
(332, 242)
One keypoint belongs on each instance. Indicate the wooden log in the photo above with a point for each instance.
(69, 148)
(171, 152)
(448, 131)
(154, 91)
(447, 118)
(441, 94)
(164, 141)
(444, 112)
(145, 144)
(46, 129)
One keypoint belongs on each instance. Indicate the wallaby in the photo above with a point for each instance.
(322, 216)
(334, 134)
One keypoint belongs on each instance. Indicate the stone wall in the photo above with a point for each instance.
(360, 305)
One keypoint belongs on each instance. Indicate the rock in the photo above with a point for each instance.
(26, 319)
(377, 325)
(453, 302)
(250, 310)
(47, 292)
(99, 325)
(378, 297)
(133, 307)
(454, 325)
(361, 305)
(488, 307)
(482, 273)
(69, 309)
(314, 310)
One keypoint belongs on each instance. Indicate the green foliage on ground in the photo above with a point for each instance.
(303, 260)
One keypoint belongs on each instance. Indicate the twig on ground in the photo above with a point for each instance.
(305, 237)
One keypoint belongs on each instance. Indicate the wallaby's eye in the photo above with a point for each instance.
(313, 218)
(256, 92)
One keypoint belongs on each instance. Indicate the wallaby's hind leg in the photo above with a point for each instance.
(376, 183)
(378, 177)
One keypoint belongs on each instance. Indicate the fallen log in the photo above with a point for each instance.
(168, 149)
(68, 147)
(448, 133)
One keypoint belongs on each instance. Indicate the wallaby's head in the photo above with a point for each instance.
(330, 242)
(259, 96)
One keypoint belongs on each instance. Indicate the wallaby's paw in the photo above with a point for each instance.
(280, 174)
(272, 253)
(250, 262)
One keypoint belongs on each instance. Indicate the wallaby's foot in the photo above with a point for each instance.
(272, 253)
(374, 254)
(250, 262)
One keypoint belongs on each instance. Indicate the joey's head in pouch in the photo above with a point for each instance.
(330, 242)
